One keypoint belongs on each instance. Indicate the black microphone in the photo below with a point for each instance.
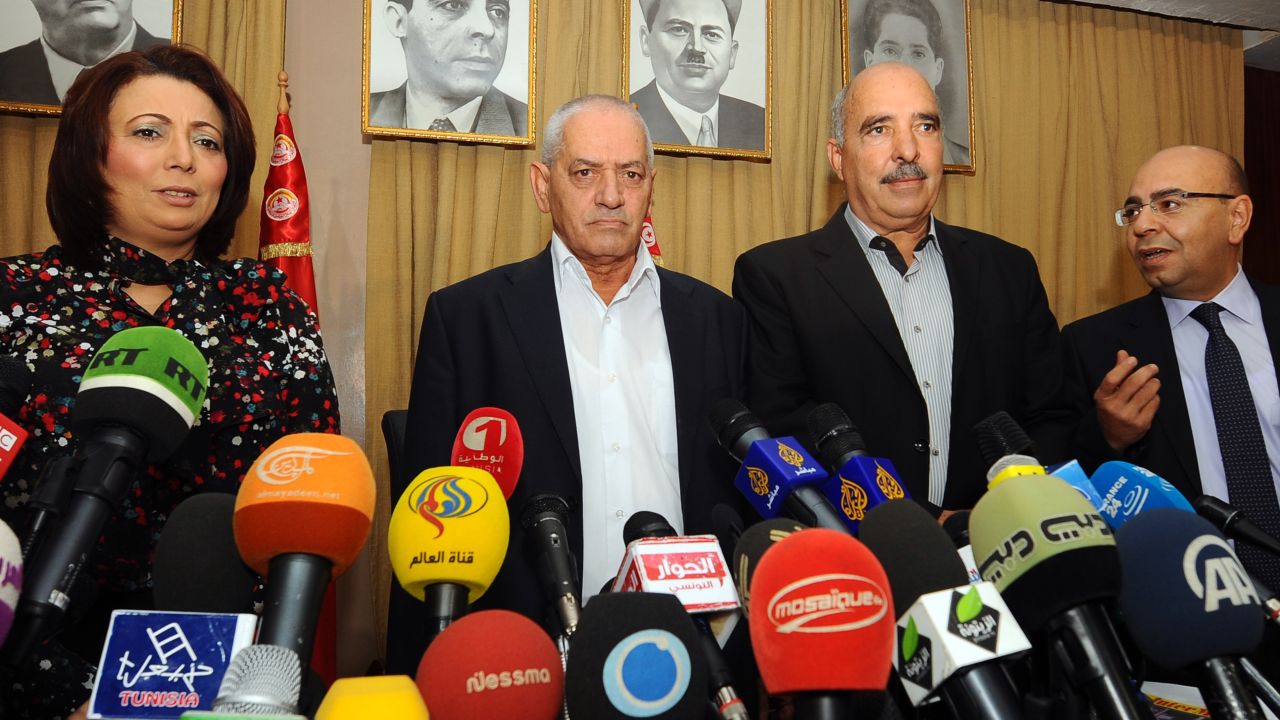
(198, 566)
(1234, 524)
(543, 520)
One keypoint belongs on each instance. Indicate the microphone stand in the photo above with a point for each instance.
(1266, 691)
(1225, 695)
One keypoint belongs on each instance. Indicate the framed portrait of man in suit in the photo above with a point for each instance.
(460, 70)
(933, 37)
(44, 44)
(699, 72)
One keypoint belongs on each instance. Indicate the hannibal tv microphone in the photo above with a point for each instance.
(1234, 524)
(635, 655)
(822, 623)
(492, 664)
(447, 539)
(952, 634)
(1179, 572)
(138, 398)
(1127, 490)
(383, 696)
(302, 516)
(543, 520)
(10, 578)
(490, 440)
(197, 565)
(858, 481)
(776, 473)
(1054, 560)
(751, 547)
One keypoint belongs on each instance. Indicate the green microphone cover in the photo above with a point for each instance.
(1044, 547)
(151, 379)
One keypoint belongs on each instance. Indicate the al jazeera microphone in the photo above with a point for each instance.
(383, 696)
(138, 398)
(490, 440)
(858, 481)
(302, 515)
(447, 539)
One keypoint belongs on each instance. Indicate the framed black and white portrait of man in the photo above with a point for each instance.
(699, 73)
(933, 37)
(450, 69)
(44, 44)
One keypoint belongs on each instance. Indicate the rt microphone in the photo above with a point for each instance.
(137, 400)
(543, 520)
(776, 473)
(858, 481)
(490, 440)
(1234, 524)
(1127, 490)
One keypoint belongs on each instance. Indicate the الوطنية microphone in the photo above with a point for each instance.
(489, 439)
(302, 516)
(543, 520)
(447, 539)
(858, 482)
(492, 664)
(776, 473)
(1127, 490)
(137, 400)
(952, 634)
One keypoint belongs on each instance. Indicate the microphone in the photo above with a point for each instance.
(302, 516)
(1127, 490)
(1005, 448)
(262, 680)
(15, 383)
(137, 400)
(490, 440)
(543, 520)
(382, 696)
(10, 578)
(956, 526)
(635, 655)
(1179, 572)
(197, 565)
(753, 544)
(951, 634)
(492, 664)
(858, 481)
(816, 594)
(1054, 561)
(1072, 474)
(447, 539)
(693, 569)
(776, 473)
(1234, 524)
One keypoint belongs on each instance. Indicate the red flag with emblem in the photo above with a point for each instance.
(650, 239)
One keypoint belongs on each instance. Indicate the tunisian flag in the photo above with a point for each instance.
(650, 239)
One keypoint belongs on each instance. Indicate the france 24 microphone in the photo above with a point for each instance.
(952, 635)
(447, 539)
(1179, 572)
(822, 622)
(1127, 490)
(15, 383)
(776, 473)
(492, 664)
(138, 398)
(490, 440)
(858, 481)
(302, 515)
(543, 520)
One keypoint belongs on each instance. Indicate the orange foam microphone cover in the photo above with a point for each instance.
(307, 493)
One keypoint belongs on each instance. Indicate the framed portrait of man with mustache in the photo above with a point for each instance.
(450, 70)
(931, 36)
(699, 73)
(44, 44)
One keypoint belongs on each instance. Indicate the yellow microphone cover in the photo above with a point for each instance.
(450, 525)
(381, 696)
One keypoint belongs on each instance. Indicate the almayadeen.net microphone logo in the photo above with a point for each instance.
(444, 497)
(831, 603)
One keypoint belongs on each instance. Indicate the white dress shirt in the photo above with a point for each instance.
(64, 71)
(463, 118)
(690, 120)
(623, 403)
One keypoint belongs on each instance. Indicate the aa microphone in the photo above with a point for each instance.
(382, 696)
(490, 440)
(952, 634)
(1127, 490)
(197, 565)
(858, 481)
(15, 383)
(543, 520)
(302, 515)
(1179, 572)
(492, 664)
(1234, 524)
(816, 594)
(1054, 560)
(447, 539)
(10, 578)
(751, 547)
(635, 655)
(776, 473)
(137, 400)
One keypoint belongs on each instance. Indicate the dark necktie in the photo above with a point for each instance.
(1244, 454)
(442, 124)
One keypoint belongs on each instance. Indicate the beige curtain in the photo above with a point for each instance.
(1068, 101)
(245, 37)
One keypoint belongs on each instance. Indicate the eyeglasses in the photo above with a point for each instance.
(1164, 205)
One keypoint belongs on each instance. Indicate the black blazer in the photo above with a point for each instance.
(495, 340)
(24, 71)
(823, 332)
(741, 123)
(1141, 327)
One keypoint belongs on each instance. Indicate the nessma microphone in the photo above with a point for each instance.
(1179, 572)
(543, 520)
(10, 578)
(197, 566)
(492, 664)
(137, 400)
(777, 474)
(15, 383)
(302, 515)
(490, 440)
(447, 539)
(858, 481)
(384, 696)
(1127, 490)
(1234, 524)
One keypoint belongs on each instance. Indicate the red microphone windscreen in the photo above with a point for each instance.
(490, 440)
(492, 664)
(821, 615)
